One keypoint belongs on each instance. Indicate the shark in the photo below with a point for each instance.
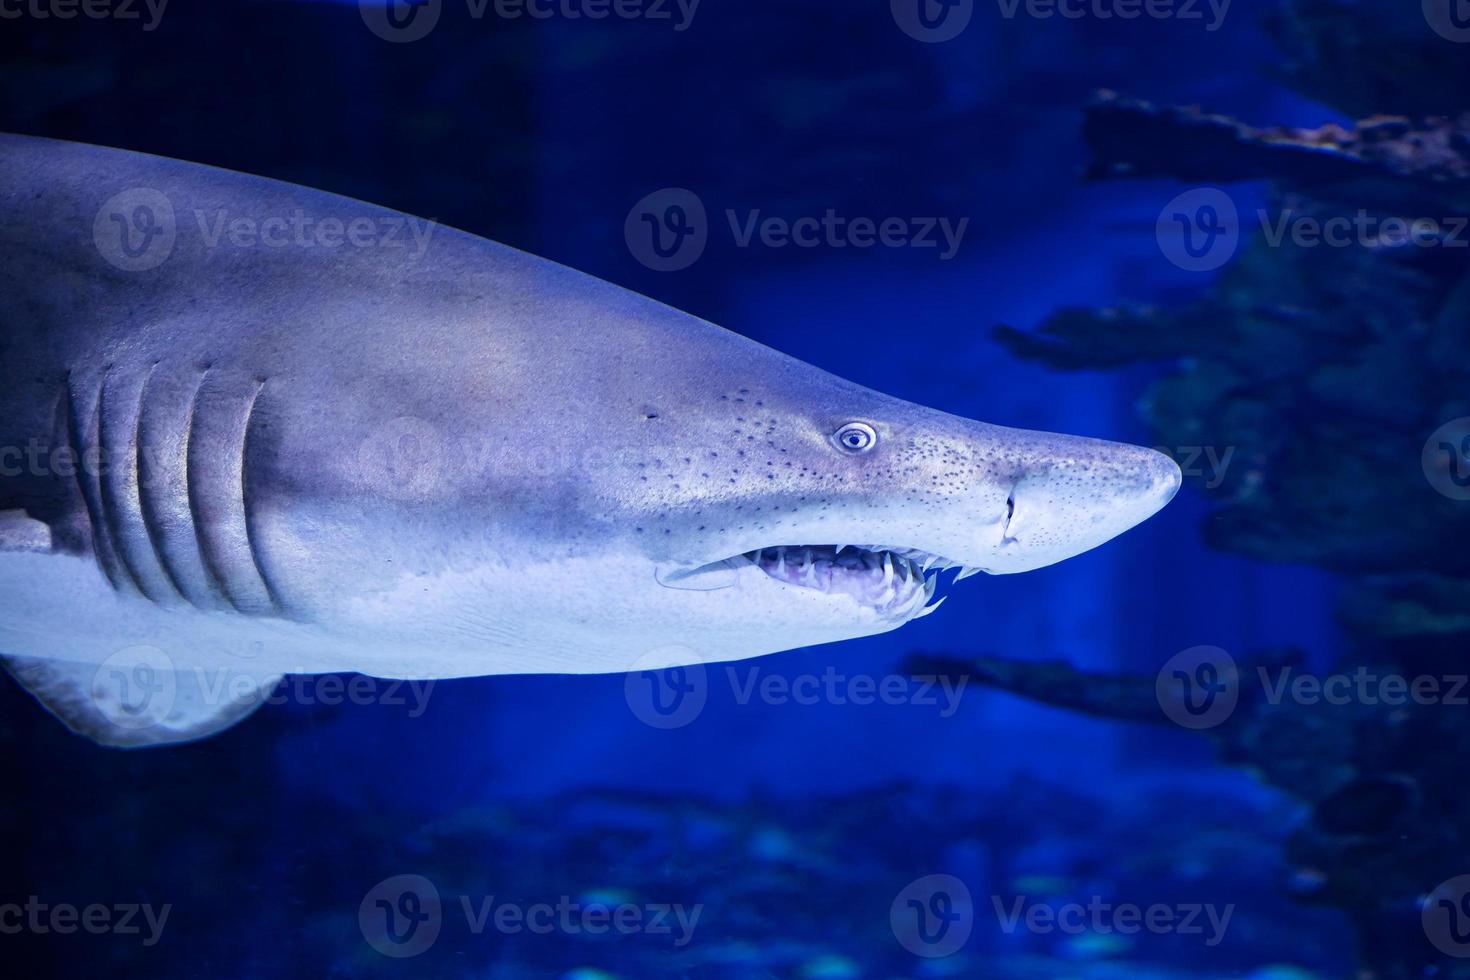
(250, 429)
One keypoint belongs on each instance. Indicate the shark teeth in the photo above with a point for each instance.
(809, 572)
(929, 609)
(897, 583)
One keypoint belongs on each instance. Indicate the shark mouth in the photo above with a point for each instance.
(894, 582)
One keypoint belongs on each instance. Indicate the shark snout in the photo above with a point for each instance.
(1072, 494)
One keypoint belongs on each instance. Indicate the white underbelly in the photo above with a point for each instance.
(62, 607)
(584, 616)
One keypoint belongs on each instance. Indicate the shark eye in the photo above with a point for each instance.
(855, 437)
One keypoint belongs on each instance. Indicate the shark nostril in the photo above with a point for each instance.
(1005, 531)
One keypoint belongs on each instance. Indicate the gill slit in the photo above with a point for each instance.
(191, 493)
(146, 513)
(74, 445)
(108, 491)
(91, 487)
(248, 516)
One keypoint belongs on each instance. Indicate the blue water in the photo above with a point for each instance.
(793, 825)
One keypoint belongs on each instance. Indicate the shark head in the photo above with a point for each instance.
(660, 484)
(804, 509)
(721, 500)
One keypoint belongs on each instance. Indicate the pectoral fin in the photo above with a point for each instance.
(20, 532)
(138, 698)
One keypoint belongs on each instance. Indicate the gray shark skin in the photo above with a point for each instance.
(248, 429)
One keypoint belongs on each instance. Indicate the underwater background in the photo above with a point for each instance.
(1106, 768)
